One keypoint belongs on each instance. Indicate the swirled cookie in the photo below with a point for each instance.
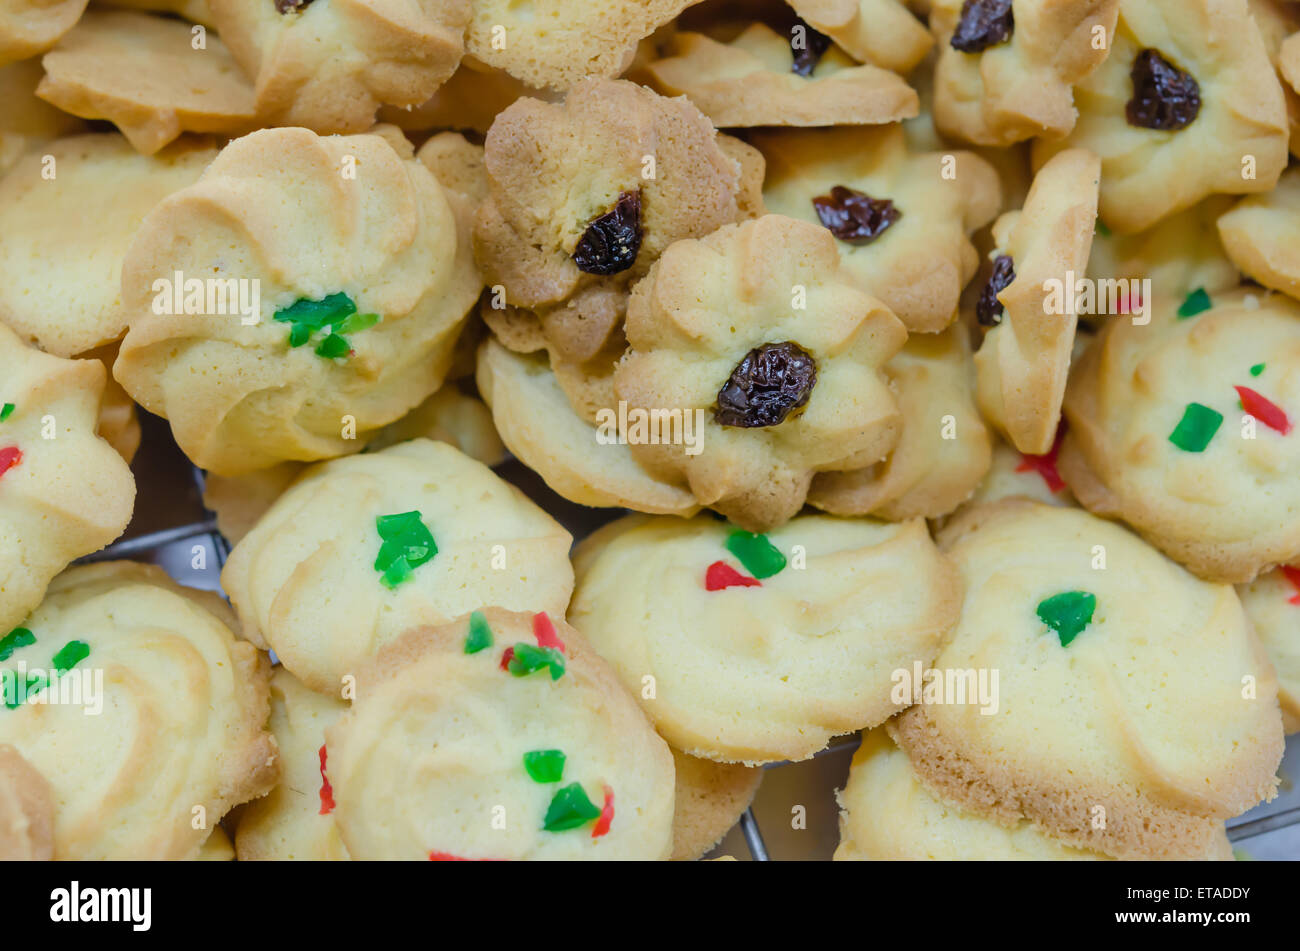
(64, 492)
(1134, 708)
(26, 810)
(295, 821)
(470, 100)
(329, 66)
(60, 286)
(28, 27)
(944, 450)
(902, 221)
(305, 292)
(1184, 429)
(27, 122)
(498, 736)
(883, 33)
(1262, 235)
(1006, 70)
(358, 550)
(148, 76)
(762, 328)
(710, 800)
(1186, 105)
(1272, 603)
(755, 648)
(141, 709)
(761, 78)
(1029, 303)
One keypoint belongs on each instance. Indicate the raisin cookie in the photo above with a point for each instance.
(1184, 428)
(499, 735)
(64, 492)
(711, 797)
(1007, 69)
(1074, 613)
(1262, 235)
(762, 78)
(28, 122)
(141, 709)
(761, 327)
(68, 213)
(28, 27)
(1186, 105)
(312, 291)
(944, 450)
(329, 66)
(362, 548)
(756, 648)
(145, 74)
(1272, 602)
(902, 221)
(1030, 303)
(883, 33)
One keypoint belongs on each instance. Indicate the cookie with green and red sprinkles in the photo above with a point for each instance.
(1185, 429)
(454, 751)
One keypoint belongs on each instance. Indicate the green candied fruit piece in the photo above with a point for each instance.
(70, 655)
(1256, 370)
(528, 659)
(318, 313)
(18, 637)
(1068, 613)
(1197, 427)
(569, 809)
(760, 557)
(333, 347)
(407, 544)
(355, 323)
(6, 411)
(480, 633)
(545, 766)
(1197, 302)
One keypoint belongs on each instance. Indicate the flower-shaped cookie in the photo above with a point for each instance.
(27, 121)
(470, 100)
(1186, 105)
(62, 240)
(902, 221)
(1272, 601)
(1030, 301)
(587, 193)
(64, 492)
(762, 328)
(1262, 235)
(143, 712)
(28, 27)
(143, 74)
(306, 291)
(944, 450)
(883, 33)
(329, 66)
(1186, 428)
(756, 648)
(1279, 25)
(764, 78)
(1119, 694)
(1007, 68)
(514, 703)
(358, 550)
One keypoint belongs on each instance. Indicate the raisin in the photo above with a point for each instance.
(767, 385)
(291, 6)
(988, 309)
(812, 46)
(611, 242)
(1164, 97)
(983, 23)
(854, 217)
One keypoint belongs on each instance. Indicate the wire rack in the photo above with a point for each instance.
(1240, 829)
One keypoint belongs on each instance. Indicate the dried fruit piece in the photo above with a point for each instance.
(291, 6)
(767, 385)
(983, 23)
(1197, 427)
(720, 576)
(611, 242)
(569, 809)
(480, 633)
(545, 766)
(1067, 613)
(1164, 97)
(808, 46)
(853, 216)
(1197, 302)
(988, 309)
(760, 557)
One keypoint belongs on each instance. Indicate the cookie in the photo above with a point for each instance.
(28, 27)
(500, 735)
(469, 101)
(883, 33)
(119, 423)
(944, 450)
(329, 66)
(711, 797)
(1272, 603)
(145, 75)
(196, 11)
(558, 44)
(182, 704)
(1261, 234)
(1183, 428)
(760, 79)
(217, 847)
(303, 305)
(586, 194)
(1186, 105)
(1013, 474)
(901, 221)
(1082, 739)
(28, 122)
(1278, 20)
(887, 815)
(763, 329)
(360, 549)
(64, 492)
(26, 810)
(1006, 71)
(68, 214)
(294, 821)
(1029, 304)
(754, 649)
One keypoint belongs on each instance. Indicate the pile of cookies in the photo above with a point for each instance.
(935, 364)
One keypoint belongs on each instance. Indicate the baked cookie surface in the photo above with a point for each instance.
(710, 800)
(1261, 235)
(28, 27)
(1272, 601)
(883, 33)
